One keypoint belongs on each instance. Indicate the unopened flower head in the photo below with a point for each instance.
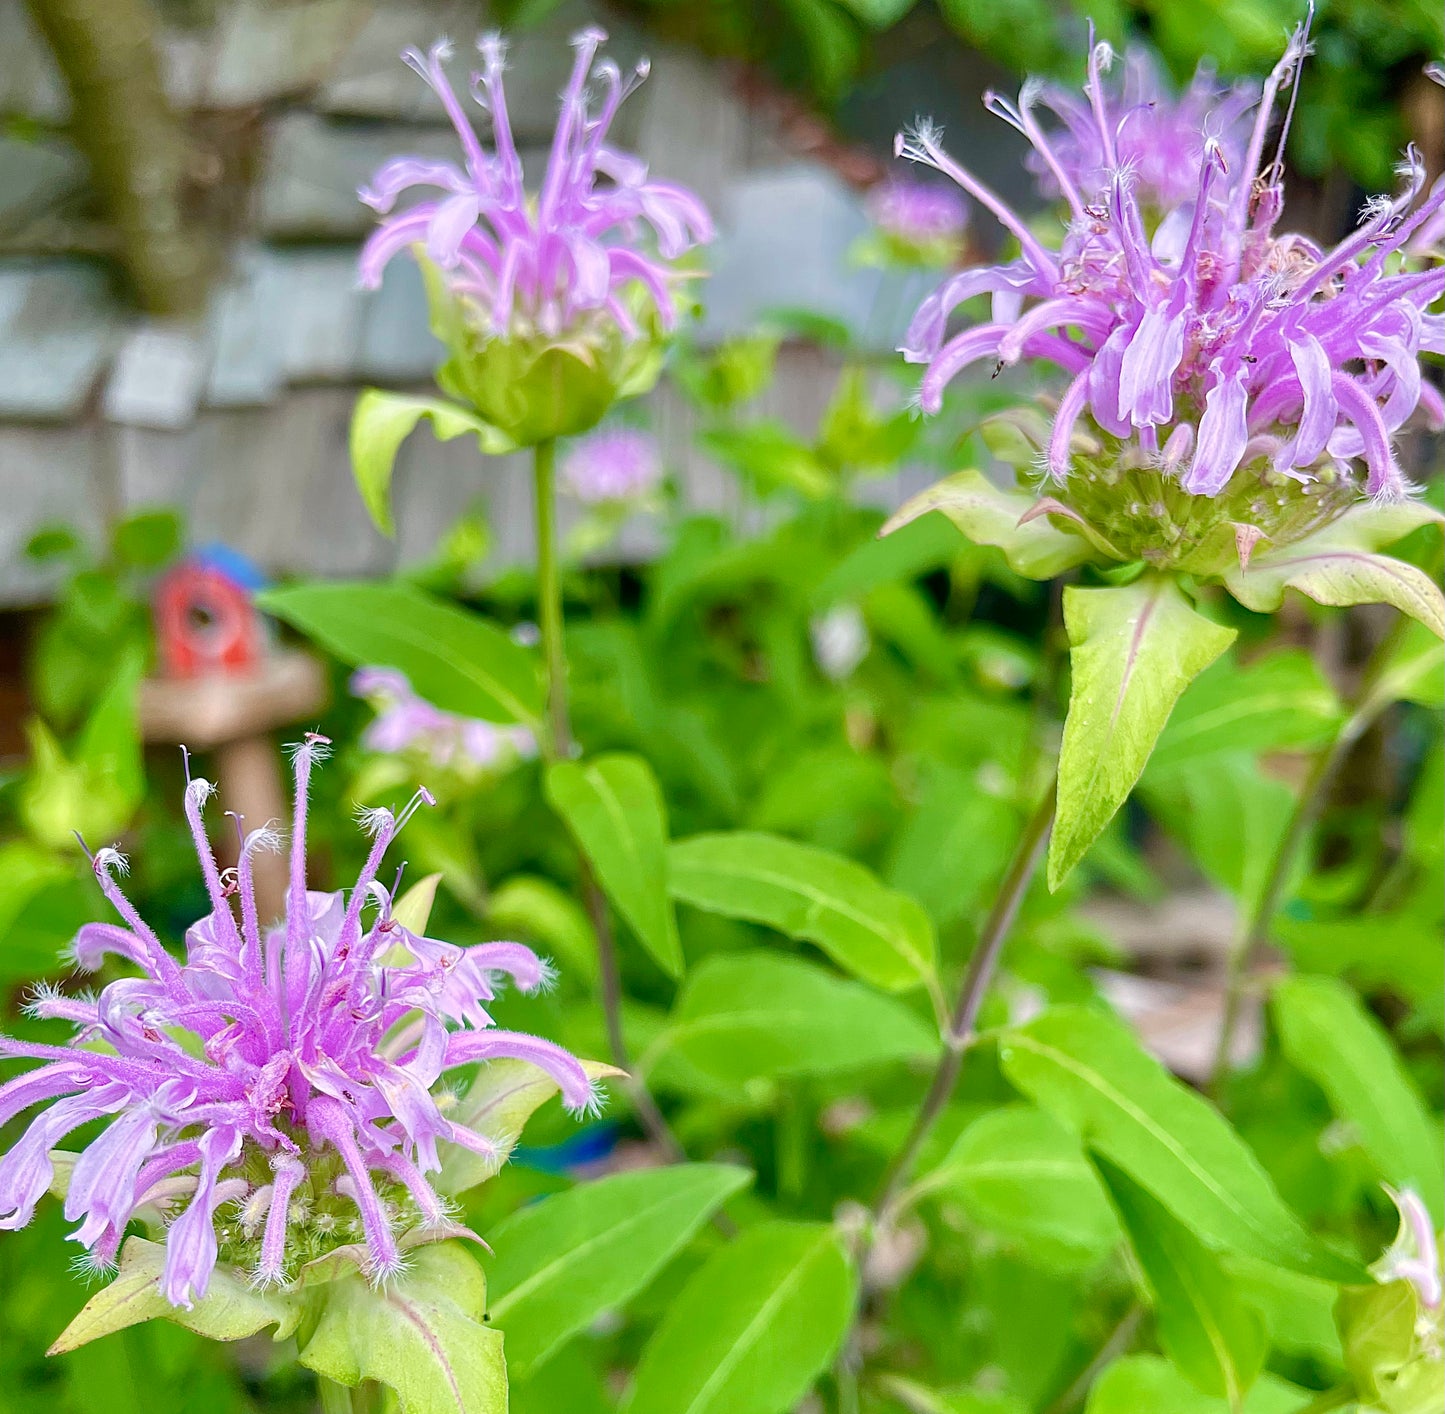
(1219, 372)
(586, 261)
(614, 464)
(283, 1073)
(405, 722)
(921, 223)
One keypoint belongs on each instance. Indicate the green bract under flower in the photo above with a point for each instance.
(533, 386)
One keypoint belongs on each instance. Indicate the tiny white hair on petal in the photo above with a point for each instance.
(112, 859)
(200, 790)
(268, 839)
(374, 820)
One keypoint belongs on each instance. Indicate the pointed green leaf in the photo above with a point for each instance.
(563, 1262)
(1135, 648)
(756, 1015)
(1019, 1172)
(987, 515)
(1338, 565)
(1212, 1335)
(230, 1309)
(1328, 1034)
(454, 659)
(501, 1099)
(753, 1328)
(880, 935)
(614, 809)
(1087, 1068)
(413, 909)
(382, 421)
(421, 1334)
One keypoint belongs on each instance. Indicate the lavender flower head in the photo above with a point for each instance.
(921, 223)
(615, 464)
(283, 1073)
(406, 722)
(586, 260)
(1158, 136)
(1219, 372)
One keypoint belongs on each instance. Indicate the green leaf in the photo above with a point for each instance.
(1281, 702)
(1327, 1033)
(1212, 1335)
(1299, 1311)
(910, 551)
(413, 909)
(540, 911)
(421, 1334)
(1377, 1331)
(502, 1097)
(1149, 1384)
(98, 786)
(1135, 648)
(988, 515)
(756, 1015)
(1227, 814)
(1414, 672)
(563, 1262)
(1338, 566)
(1019, 1172)
(382, 421)
(879, 14)
(230, 1310)
(455, 660)
(614, 809)
(1086, 1068)
(882, 936)
(148, 539)
(753, 1329)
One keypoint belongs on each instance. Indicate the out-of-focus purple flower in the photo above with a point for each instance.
(1213, 354)
(1414, 1256)
(922, 222)
(615, 464)
(405, 722)
(286, 1069)
(538, 262)
(1158, 136)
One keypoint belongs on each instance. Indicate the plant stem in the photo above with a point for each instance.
(549, 597)
(558, 746)
(1366, 706)
(342, 1399)
(976, 982)
(1119, 1340)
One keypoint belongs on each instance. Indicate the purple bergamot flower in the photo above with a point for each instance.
(284, 1070)
(614, 464)
(1219, 371)
(406, 722)
(1157, 135)
(538, 261)
(920, 223)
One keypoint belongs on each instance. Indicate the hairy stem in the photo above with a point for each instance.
(977, 980)
(1366, 706)
(559, 747)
